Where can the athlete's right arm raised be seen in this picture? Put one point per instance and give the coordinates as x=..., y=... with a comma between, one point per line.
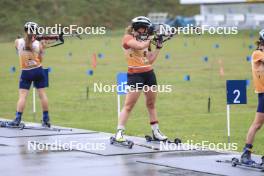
x=130, y=42
x=41, y=51
x=138, y=45
x=258, y=56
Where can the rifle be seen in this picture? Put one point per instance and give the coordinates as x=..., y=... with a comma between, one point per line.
x=58, y=38
x=161, y=32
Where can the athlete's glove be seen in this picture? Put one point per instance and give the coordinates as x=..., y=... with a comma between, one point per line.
x=158, y=41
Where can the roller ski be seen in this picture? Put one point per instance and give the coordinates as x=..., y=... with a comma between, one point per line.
x=120, y=140
x=252, y=164
x=12, y=124
x=46, y=126
x=42, y=128
x=158, y=137
x=245, y=161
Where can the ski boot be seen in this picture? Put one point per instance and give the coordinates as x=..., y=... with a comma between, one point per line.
x=246, y=157
x=157, y=136
x=119, y=139
x=16, y=123
x=46, y=124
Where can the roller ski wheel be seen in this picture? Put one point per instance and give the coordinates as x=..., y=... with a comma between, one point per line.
x=21, y=126
x=177, y=141
x=148, y=138
x=126, y=143
x=112, y=140
x=130, y=144
x=234, y=162
x=46, y=124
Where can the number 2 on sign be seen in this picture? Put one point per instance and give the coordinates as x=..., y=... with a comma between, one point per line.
x=237, y=93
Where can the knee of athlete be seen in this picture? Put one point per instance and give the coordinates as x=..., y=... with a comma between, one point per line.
x=151, y=105
x=258, y=126
x=22, y=99
x=42, y=96
x=129, y=107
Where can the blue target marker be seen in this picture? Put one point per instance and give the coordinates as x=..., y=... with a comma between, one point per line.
x=100, y=55
x=216, y=45
x=13, y=69
x=251, y=47
x=248, y=82
x=167, y=56
x=89, y=72
x=187, y=78
x=205, y=58
x=49, y=69
x=249, y=58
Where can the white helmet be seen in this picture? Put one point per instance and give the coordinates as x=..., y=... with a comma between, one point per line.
x=261, y=34
x=141, y=22
x=31, y=27
x=163, y=29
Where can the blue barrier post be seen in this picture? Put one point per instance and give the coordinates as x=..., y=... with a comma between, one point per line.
x=121, y=79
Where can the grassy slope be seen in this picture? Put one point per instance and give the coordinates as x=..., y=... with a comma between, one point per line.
x=182, y=113
x=112, y=14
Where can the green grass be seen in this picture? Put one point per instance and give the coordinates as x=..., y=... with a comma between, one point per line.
x=182, y=113
x=82, y=13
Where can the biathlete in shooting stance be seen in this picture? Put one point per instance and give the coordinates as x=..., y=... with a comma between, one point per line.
x=30, y=53
x=141, y=77
x=258, y=78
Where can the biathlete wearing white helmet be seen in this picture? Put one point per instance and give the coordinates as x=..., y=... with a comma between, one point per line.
x=136, y=45
x=30, y=53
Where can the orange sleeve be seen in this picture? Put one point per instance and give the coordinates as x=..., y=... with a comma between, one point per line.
x=126, y=38
x=258, y=56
